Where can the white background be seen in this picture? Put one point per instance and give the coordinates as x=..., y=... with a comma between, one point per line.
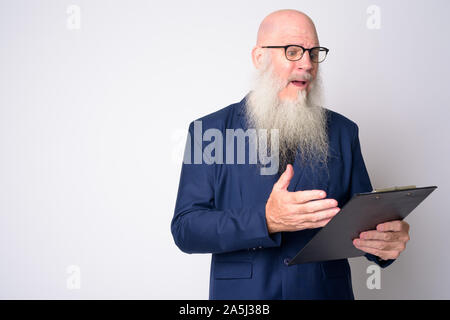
x=93, y=123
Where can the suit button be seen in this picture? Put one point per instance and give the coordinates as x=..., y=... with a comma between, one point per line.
x=286, y=261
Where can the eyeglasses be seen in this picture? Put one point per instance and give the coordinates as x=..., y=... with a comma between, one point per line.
x=295, y=52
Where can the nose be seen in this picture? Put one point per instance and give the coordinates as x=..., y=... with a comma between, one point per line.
x=305, y=62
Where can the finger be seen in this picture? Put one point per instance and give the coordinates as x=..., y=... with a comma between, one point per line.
x=405, y=226
x=377, y=244
x=307, y=195
x=318, y=205
x=396, y=225
x=285, y=178
x=319, y=215
x=314, y=225
x=377, y=235
x=385, y=255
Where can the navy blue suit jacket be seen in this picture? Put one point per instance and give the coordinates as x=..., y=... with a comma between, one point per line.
x=220, y=209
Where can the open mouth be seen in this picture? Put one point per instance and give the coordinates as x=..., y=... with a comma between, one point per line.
x=298, y=83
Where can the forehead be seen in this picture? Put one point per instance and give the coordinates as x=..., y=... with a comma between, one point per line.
x=304, y=35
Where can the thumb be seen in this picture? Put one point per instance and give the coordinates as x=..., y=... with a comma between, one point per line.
x=285, y=178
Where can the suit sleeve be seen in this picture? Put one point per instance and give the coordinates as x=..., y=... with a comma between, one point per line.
x=360, y=182
x=199, y=227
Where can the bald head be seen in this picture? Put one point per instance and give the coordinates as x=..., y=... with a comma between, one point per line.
x=285, y=25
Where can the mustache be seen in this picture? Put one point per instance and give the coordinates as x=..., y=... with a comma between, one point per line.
x=301, y=77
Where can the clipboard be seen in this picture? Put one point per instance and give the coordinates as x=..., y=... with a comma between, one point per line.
x=363, y=212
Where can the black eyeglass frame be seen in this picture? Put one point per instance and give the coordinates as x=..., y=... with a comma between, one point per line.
x=304, y=50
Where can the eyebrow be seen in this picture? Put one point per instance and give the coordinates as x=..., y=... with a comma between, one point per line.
x=301, y=44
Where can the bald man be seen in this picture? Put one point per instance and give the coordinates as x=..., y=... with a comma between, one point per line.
x=253, y=219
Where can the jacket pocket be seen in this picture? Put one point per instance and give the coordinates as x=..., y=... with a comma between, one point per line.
x=233, y=270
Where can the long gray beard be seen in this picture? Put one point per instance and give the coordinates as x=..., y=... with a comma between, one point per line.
x=302, y=123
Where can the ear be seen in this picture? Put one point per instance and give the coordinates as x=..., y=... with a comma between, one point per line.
x=257, y=54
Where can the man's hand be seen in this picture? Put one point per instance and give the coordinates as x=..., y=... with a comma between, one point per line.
x=386, y=242
x=293, y=211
